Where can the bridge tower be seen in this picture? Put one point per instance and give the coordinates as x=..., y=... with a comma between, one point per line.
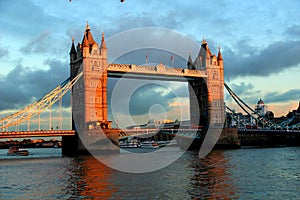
x=89, y=95
x=209, y=91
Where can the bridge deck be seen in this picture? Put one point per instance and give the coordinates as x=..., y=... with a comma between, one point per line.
x=43, y=133
x=153, y=72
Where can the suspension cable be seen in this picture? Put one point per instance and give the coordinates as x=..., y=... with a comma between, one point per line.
x=39, y=106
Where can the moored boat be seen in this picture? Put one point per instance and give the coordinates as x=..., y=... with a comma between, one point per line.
x=16, y=151
x=149, y=145
x=131, y=143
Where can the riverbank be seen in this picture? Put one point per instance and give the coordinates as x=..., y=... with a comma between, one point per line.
x=28, y=143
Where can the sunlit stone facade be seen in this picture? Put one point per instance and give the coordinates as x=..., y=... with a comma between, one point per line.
x=209, y=91
x=89, y=95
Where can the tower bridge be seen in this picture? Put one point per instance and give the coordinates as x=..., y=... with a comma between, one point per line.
x=89, y=71
x=89, y=96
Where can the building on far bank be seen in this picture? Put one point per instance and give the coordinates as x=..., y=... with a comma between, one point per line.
x=241, y=120
x=260, y=108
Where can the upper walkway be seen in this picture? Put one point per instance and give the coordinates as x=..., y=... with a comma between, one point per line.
x=160, y=72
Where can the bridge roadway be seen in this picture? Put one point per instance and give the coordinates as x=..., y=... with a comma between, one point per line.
x=42, y=133
x=122, y=134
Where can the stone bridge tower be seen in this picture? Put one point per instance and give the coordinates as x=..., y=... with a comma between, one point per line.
x=209, y=91
x=89, y=95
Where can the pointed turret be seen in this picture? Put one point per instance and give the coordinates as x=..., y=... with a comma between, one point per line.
x=103, y=49
x=88, y=39
x=298, y=109
x=204, y=56
x=73, y=49
x=103, y=44
x=73, y=52
x=206, y=48
x=85, y=42
x=190, y=64
x=220, y=57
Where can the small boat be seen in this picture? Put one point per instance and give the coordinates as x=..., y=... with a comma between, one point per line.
x=16, y=151
x=149, y=145
x=133, y=143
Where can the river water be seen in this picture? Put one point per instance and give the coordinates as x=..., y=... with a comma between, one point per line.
x=248, y=173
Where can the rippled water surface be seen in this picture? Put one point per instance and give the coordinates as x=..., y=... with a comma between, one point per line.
x=263, y=173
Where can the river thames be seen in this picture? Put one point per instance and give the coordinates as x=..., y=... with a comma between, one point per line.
x=248, y=173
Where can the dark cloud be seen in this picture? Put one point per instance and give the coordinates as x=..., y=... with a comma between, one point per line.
x=290, y=95
x=148, y=95
x=273, y=59
x=245, y=91
x=25, y=17
x=22, y=85
x=3, y=50
x=241, y=89
x=293, y=31
x=250, y=95
x=145, y=95
x=37, y=45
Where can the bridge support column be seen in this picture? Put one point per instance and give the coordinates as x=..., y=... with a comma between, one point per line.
x=209, y=91
x=104, y=141
x=89, y=95
x=207, y=107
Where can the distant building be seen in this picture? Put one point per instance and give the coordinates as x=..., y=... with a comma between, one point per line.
x=269, y=115
x=294, y=113
x=260, y=108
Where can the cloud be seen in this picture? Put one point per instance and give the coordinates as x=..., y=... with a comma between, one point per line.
x=137, y=97
x=37, y=45
x=290, y=95
x=273, y=59
x=243, y=88
x=245, y=91
x=23, y=85
x=293, y=31
x=149, y=95
x=26, y=16
x=3, y=51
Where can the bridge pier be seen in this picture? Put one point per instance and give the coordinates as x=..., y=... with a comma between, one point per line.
x=69, y=145
x=104, y=141
x=207, y=106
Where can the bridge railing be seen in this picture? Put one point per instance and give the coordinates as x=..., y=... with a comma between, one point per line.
x=158, y=69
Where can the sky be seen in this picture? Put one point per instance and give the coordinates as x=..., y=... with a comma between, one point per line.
x=260, y=44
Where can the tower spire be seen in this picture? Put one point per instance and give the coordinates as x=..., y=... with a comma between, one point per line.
x=87, y=27
x=219, y=54
x=103, y=44
x=190, y=62
x=73, y=50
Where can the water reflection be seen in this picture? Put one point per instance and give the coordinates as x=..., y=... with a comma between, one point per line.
x=211, y=178
x=206, y=178
x=89, y=178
